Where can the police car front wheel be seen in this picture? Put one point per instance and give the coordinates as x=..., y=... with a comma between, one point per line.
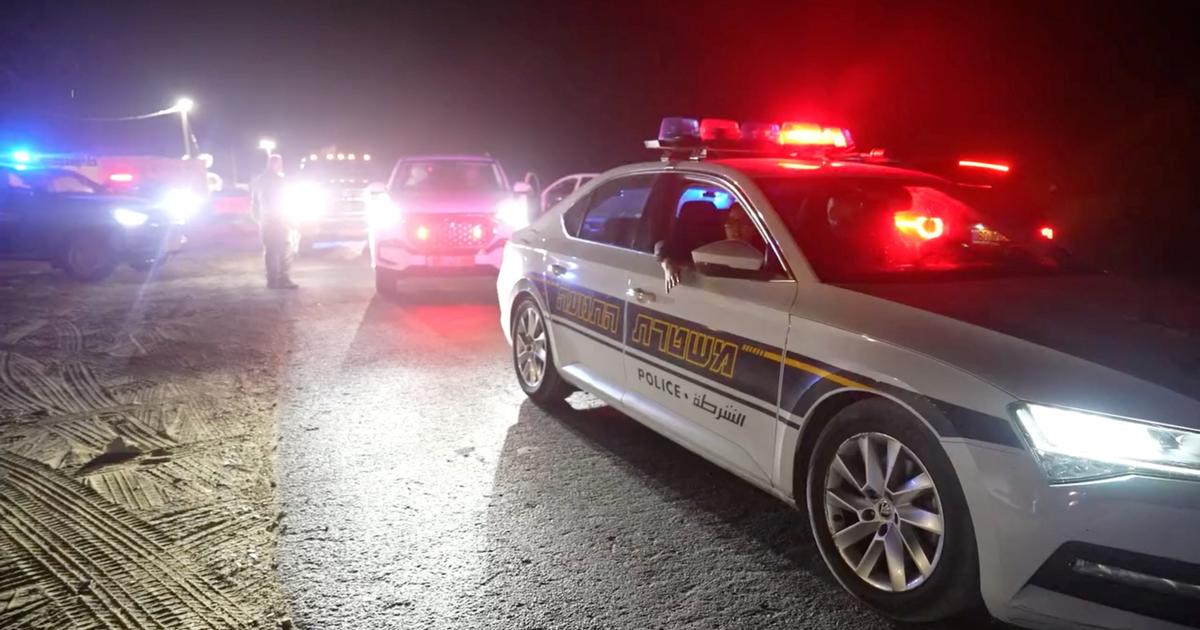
x=889, y=515
x=532, y=356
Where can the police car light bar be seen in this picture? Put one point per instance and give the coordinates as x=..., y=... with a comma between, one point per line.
x=717, y=129
x=814, y=135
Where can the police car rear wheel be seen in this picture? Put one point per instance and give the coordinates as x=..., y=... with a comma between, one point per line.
x=889, y=515
x=532, y=356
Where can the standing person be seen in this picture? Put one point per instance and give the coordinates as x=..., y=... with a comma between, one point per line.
x=278, y=236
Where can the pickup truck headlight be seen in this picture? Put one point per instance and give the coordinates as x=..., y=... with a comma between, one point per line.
x=1076, y=445
x=129, y=218
x=305, y=202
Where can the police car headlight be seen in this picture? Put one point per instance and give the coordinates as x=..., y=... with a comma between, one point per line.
x=181, y=204
x=305, y=202
x=1075, y=445
x=513, y=212
x=383, y=212
x=129, y=218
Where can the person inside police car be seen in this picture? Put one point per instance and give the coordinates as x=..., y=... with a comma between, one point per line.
x=675, y=253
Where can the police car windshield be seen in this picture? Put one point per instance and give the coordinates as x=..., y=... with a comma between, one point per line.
x=871, y=230
x=444, y=176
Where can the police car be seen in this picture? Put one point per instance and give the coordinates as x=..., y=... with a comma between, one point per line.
x=444, y=215
x=964, y=413
x=61, y=217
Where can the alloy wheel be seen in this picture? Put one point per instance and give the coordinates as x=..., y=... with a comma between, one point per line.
x=529, y=345
x=883, y=512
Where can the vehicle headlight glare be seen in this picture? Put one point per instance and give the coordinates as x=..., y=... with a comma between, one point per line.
x=383, y=212
x=1076, y=445
x=304, y=202
x=129, y=218
x=181, y=204
x=513, y=212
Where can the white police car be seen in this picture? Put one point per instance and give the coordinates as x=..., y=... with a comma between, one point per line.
x=966, y=415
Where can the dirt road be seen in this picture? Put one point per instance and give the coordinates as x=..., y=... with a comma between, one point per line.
x=136, y=434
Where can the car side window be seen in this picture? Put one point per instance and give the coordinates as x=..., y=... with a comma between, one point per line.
x=68, y=184
x=559, y=191
x=696, y=213
x=614, y=211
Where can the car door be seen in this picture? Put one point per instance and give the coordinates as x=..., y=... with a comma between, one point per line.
x=16, y=201
x=586, y=278
x=703, y=360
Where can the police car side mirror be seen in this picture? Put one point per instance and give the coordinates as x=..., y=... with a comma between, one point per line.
x=376, y=188
x=728, y=255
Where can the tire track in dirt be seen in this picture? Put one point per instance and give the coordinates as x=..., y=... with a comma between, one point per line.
x=82, y=539
x=70, y=338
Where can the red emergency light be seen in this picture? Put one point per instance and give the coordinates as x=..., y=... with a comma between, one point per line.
x=120, y=178
x=812, y=134
x=926, y=227
x=991, y=166
x=720, y=129
x=1047, y=232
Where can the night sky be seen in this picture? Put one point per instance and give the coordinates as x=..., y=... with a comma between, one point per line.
x=1100, y=99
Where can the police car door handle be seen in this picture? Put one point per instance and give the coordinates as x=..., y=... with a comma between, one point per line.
x=557, y=269
x=640, y=295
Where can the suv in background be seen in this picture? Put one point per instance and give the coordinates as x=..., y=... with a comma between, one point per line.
x=443, y=214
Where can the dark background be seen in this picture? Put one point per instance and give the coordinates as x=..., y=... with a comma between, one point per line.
x=1095, y=103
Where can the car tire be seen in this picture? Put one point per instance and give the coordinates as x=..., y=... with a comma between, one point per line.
x=385, y=283
x=877, y=531
x=90, y=256
x=531, y=351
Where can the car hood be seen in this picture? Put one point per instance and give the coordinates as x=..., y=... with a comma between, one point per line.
x=1091, y=342
x=450, y=203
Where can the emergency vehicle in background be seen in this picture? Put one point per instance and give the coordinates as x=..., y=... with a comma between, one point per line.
x=328, y=197
x=964, y=412
x=57, y=215
x=444, y=214
x=180, y=185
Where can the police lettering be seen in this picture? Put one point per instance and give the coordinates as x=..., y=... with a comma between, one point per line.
x=711, y=353
x=659, y=383
x=588, y=309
